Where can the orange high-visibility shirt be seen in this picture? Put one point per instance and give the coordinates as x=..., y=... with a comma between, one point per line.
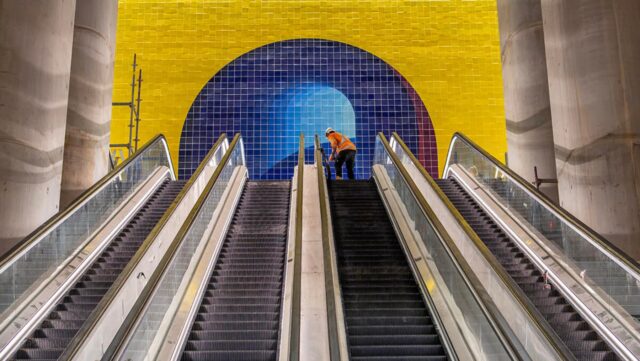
x=340, y=142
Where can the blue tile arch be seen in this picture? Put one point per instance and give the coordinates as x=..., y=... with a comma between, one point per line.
x=274, y=92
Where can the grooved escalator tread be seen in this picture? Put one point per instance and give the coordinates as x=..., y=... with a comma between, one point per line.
x=385, y=315
x=573, y=330
x=239, y=315
x=53, y=335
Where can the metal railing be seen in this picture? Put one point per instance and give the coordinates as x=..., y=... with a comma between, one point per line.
x=181, y=247
x=337, y=341
x=294, y=344
x=601, y=280
x=588, y=234
x=498, y=322
x=212, y=159
x=33, y=261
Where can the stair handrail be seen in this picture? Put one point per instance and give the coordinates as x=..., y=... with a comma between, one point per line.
x=97, y=313
x=50, y=224
x=337, y=344
x=493, y=313
x=613, y=251
x=294, y=341
x=323, y=156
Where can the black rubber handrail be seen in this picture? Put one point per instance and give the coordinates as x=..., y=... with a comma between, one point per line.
x=97, y=313
x=294, y=341
x=538, y=319
x=332, y=317
x=571, y=219
x=323, y=157
x=49, y=224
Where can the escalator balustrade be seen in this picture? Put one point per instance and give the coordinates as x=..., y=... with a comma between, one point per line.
x=578, y=335
x=50, y=339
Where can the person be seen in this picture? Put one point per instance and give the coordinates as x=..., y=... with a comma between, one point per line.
x=343, y=151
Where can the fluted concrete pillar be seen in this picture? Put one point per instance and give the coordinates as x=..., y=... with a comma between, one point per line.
x=526, y=91
x=35, y=58
x=593, y=61
x=86, y=147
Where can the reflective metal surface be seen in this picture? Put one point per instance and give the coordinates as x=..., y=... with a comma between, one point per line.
x=51, y=246
x=168, y=287
x=484, y=337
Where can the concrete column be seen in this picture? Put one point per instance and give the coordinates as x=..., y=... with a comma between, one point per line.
x=593, y=61
x=35, y=57
x=526, y=91
x=86, y=146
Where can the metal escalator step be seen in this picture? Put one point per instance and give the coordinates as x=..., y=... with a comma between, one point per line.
x=578, y=335
x=62, y=324
x=240, y=300
x=211, y=308
x=235, y=325
x=242, y=293
x=396, y=350
x=244, y=355
x=373, y=320
x=393, y=330
x=385, y=315
x=238, y=317
x=399, y=358
x=52, y=336
x=231, y=345
x=414, y=339
x=51, y=333
x=233, y=335
x=39, y=353
x=375, y=316
x=69, y=315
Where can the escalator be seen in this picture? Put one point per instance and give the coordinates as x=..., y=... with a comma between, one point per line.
x=577, y=334
x=50, y=339
x=239, y=315
x=386, y=317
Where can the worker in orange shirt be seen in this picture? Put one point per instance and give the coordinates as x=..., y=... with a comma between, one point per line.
x=343, y=151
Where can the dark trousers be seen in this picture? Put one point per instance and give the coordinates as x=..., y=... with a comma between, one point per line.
x=346, y=156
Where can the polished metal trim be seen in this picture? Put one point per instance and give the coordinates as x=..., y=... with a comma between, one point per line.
x=536, y=317
x=593, y=318
x=294, y=342
x=34, y=237
x=44, y=307
x=616, y=254
x=238, y=181
x=453, y=352
x=338, y=350
x=96, y=314
x=128, y=326
x=288, y=282
x=495, y=318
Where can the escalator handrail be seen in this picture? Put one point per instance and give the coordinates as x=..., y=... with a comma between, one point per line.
x=49, y=225
x=493, y=313
x=614, y=252
x=332, y=317
x=130, y=322
x=323, y=158
x=97, y=313
x=294, y=344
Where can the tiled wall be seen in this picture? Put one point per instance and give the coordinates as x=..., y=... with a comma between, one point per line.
x=274, y=93
x=446, y=51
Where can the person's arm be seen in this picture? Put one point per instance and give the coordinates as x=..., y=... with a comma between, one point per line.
x=334, y=148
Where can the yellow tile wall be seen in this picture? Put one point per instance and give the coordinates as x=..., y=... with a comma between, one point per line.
x=448, y=50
